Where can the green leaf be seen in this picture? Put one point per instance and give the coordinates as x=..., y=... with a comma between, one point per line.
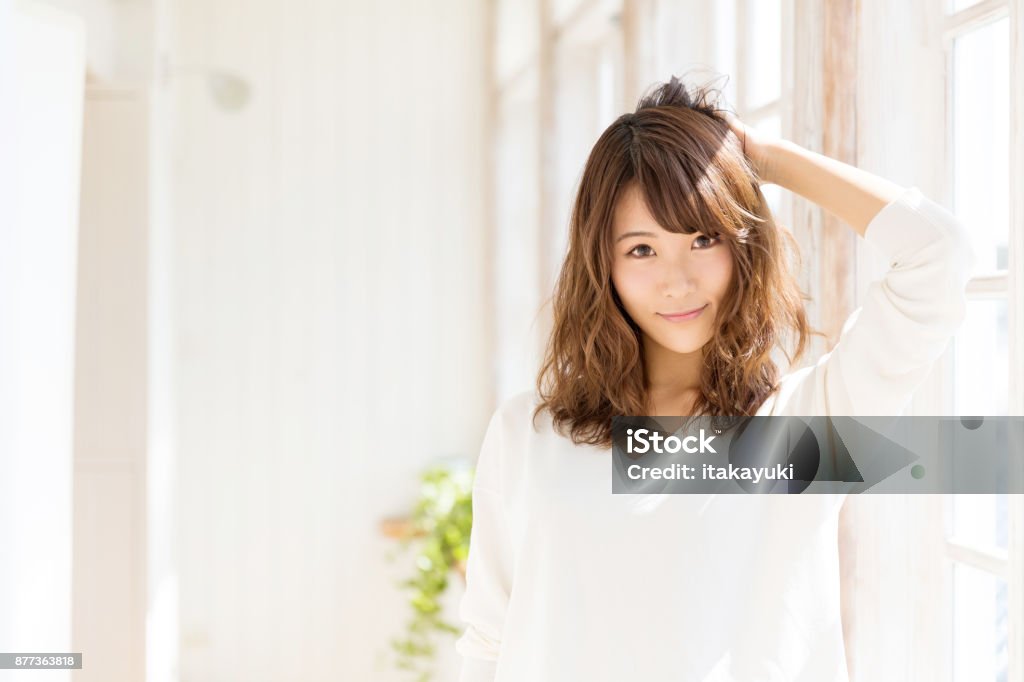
x=443, y=512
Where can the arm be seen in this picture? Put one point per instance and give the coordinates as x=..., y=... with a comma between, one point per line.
x=853, y=195
x=889, y=344
x=488, y=567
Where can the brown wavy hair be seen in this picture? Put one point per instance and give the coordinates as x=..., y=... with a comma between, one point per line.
x=692, y=171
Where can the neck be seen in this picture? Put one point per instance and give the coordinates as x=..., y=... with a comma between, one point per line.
x=672, y=374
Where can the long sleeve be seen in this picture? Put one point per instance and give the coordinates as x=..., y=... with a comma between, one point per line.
x=889, y=344
x=488, y=566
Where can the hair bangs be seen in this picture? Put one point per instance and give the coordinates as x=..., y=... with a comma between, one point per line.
x=687, y=195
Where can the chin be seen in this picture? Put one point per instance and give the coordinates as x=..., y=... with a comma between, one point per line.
x=683, y=345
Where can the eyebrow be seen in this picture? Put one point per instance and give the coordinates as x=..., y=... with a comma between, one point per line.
x=635, y=234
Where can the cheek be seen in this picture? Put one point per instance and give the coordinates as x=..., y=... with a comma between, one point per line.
x=625, y=280
x=635, y=286
x=718, y=273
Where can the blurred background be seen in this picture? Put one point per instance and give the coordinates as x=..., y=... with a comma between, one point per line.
x=265, y=263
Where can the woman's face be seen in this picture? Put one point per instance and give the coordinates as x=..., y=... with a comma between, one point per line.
x=659, y=273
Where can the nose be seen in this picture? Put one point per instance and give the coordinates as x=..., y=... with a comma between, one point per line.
x=678, y=277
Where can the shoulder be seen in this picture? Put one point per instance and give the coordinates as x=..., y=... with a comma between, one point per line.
x=520, y=422
x=508, y=443
x=522, y=400
x=515, y=409
x=797, y=392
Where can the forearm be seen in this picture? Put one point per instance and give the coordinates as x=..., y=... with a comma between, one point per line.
x=853, y=195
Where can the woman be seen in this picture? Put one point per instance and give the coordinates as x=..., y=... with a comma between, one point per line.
x=676, y=289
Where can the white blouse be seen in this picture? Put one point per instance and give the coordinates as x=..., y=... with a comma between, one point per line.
x=566, y=581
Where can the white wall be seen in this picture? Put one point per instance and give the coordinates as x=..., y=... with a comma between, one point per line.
x=325, y=266
x=42, y=71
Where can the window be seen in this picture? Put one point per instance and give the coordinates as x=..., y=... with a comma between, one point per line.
x=516, y=192
x=759, y=82
x=978, y=161
x=587, y=98
x=980, y=552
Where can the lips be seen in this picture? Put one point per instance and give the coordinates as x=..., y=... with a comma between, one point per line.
x=685, y=315
x=684, y=312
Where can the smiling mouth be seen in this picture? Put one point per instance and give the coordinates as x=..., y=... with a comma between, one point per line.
x=688, y=315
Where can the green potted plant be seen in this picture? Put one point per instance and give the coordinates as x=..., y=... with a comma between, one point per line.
x=440, y=526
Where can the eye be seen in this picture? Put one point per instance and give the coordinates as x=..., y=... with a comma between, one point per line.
x=708, y=241
x=638, y=246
